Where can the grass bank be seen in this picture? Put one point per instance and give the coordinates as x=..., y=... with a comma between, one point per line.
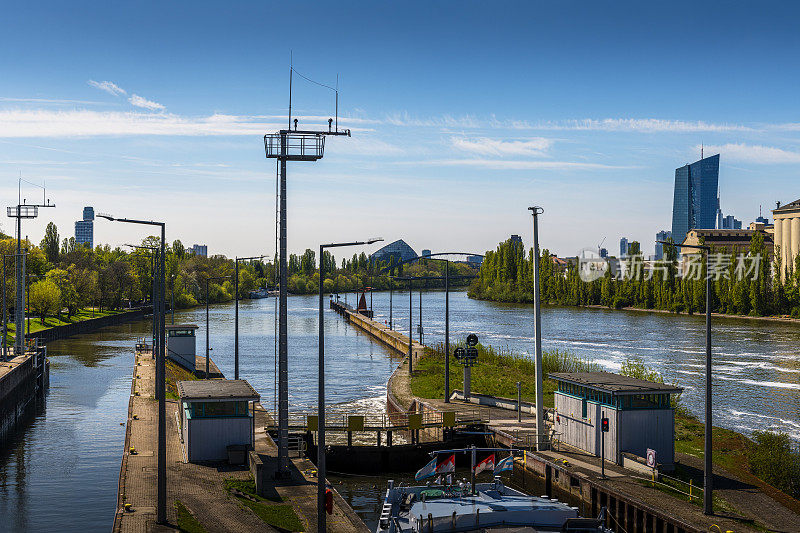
x=271, y=511
x=62, y=320
x=496, y=373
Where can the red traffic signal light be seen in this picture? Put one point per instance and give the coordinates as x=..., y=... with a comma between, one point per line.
x=329, y=501
x=604, y=424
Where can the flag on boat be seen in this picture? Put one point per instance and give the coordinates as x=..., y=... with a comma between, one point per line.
x=486, y=464
x=448, y=465
x=505, y=465
x=429, y=470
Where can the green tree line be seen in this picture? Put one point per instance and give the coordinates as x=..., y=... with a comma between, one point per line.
x=359, y=272
x=507, y=275
x=64, y=277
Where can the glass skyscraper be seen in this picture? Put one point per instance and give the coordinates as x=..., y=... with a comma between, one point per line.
x=696, y=199
x=84, y=229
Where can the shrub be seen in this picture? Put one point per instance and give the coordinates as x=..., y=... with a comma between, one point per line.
x=774, y=460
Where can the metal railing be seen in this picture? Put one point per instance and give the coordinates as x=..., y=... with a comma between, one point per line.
x=23, y=211
x=299, y=146
x=690, y=489
x=372, y=421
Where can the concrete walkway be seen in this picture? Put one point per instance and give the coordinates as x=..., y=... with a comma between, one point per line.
x=200, y=487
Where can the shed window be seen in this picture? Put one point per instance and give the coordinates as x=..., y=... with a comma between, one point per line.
x=583, y=408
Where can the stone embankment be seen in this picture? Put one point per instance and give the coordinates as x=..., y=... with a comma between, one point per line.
x=87, y=326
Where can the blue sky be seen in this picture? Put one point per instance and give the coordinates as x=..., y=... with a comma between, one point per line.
x=463, y=114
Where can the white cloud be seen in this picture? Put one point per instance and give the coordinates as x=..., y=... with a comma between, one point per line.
x=107, y=86
x=88, y=123
x=753, y=153
x=647, y=125
x=500, y=164
x=144, y=103
x=536, y=146
x=444, y=121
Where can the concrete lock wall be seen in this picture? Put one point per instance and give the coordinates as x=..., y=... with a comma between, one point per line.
x=18, y=390
x=208, y=438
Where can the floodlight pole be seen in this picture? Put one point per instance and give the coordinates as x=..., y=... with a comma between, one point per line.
x=161, y=483
x=537, y=314
x=321, y=468
x=283, y=152
x=708, y=469
x=236, y=320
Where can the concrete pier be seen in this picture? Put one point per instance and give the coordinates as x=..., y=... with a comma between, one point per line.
x=201, y=487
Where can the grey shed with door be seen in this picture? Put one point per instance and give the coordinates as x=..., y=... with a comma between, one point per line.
x=181, y=344
x=216, y=414
x=639, y=412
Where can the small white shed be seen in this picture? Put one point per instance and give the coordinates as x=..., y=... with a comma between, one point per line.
x=216, y=414
x=639, y=413
x=181, y=344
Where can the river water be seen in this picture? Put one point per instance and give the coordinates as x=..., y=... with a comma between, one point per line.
x=60, y=471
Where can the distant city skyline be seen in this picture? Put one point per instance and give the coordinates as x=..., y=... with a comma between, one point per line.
x=467, y=125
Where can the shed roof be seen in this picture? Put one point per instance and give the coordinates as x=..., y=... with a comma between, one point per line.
x=181, y=326
x=217, y=389
x=614, y=383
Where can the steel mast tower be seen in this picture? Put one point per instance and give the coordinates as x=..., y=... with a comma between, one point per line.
x=20, y=211
x=291, y=145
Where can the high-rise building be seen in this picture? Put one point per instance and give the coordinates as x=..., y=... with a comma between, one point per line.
x=661, y=236
x=200, y=249
x=731, y=222
x=623, y=247
x=516, y=238
x=696, y=199
x=84, y=229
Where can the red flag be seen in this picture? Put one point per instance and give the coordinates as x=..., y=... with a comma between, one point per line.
x=486, y=464
x=448, y=465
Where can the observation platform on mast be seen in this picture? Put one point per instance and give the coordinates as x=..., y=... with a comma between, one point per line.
x=300, y=145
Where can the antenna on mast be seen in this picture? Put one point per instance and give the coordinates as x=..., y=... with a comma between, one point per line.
x=701, y=150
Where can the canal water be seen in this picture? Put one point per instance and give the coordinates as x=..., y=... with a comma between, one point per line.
x=61, y=471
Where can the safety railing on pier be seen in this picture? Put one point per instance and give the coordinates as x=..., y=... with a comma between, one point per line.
x=354, y=421
x=530, y=440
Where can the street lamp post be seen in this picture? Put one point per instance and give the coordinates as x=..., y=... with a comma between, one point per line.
x=236, y=319
x=207, y=323
x=161, y=488
x=537, y=319
x=321, y=471
x=708, y=470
